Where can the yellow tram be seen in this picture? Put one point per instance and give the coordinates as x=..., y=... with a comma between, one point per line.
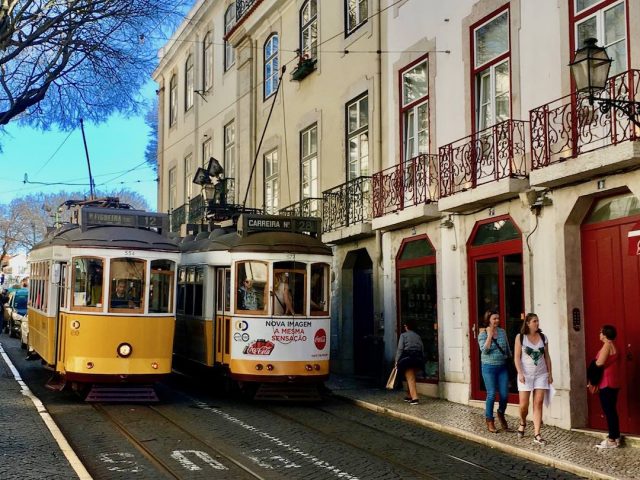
x=101, y=300
x=253, y=301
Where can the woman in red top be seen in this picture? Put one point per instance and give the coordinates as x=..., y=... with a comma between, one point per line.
x=609, y=386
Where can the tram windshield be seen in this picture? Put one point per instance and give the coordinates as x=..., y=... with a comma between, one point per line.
x=319, y=289
x=253, y=286
x=87, y=282
x=288, y=288
x=161, y=287
x=127, y=284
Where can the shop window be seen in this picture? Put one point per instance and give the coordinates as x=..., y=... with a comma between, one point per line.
x=417, y=294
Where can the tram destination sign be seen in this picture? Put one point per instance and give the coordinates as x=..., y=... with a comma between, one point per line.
x=249, y=223
x=92, y=217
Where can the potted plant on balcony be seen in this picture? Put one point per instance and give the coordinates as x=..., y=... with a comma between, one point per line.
x=305, y=66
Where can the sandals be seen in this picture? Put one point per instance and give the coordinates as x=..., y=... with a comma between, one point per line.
x=521, y=429
x=539, y=440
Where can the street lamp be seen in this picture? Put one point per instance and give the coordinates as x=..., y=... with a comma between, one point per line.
x=590, y=69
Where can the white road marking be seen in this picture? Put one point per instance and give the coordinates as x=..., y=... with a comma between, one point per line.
x=68, y=452
x=120, y=462
x=295, y=450
x=267, y=458
x=181, y=458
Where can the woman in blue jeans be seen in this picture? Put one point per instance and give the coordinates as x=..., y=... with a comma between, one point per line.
x=494, y=355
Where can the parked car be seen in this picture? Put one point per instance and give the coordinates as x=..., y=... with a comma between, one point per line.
x=14, y=310
x=24, y=332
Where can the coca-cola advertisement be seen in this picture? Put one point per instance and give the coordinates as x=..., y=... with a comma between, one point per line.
x=259, y=347
x=320, y=339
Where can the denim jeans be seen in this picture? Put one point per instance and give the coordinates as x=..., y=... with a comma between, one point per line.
x=496, y=377
x=608, y=400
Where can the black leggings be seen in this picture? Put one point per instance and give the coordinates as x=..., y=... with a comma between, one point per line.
x=608, y=400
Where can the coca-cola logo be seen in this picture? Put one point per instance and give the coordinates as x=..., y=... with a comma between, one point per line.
x=320, y=339
x=259, y=347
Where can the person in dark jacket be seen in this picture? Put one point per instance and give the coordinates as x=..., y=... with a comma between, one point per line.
x=4, y=298
x=410, y=359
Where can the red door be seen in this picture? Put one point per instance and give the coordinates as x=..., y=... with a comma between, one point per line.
x=611, y=284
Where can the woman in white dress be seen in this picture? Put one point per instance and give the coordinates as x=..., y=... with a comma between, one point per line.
x=534, y=373
x=282, y=302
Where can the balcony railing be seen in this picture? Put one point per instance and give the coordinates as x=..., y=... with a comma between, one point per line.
x=347, y=204
x=178, y=217
x=486, y=156
x=413, y=182
x=196, y=209
x=570, y=125
x=308, y=207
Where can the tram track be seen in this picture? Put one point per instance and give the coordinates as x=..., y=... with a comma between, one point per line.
x=172, y=469
x=421, y=473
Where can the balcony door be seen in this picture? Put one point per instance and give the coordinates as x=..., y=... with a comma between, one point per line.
x=495, y=283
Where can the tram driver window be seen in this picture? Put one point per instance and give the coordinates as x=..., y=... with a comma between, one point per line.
x=252, y=285
x=87, y=282
x=288, y=294
x=127, y=284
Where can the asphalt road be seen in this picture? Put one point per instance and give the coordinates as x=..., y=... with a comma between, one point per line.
x=197, y=432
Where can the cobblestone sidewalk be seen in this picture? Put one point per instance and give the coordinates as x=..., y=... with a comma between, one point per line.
x=567, y=450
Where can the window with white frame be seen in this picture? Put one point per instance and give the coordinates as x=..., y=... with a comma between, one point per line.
x=188, y=83
x=607, y=24
x=491, y=71
x=271, y=182
x=309, y=29
x=173, y=99
x=415, y=109
x=230, y=160
x=189, y=170
x=206, y=152
x=309, y=166
x=173, y=190
x=229, y=22
x=358, y=138
x=207, y=61
x=356, y=12
x=271, y=65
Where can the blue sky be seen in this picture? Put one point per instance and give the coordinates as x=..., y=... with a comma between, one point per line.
x=115, y=147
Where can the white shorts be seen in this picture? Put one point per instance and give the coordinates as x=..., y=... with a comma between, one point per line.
x=538, y=381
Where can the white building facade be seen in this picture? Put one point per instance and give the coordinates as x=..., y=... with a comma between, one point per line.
x=453, y=165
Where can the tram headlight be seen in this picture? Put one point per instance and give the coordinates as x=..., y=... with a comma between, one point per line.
x=124, y=350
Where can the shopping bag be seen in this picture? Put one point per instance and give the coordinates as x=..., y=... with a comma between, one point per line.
x=391, y=383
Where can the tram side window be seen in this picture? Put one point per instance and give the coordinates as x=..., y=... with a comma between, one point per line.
x=289, y=288
x=161, y=287
x=127, y=284
x=87, y=282
x=319, y=289
x=190, y=291
x=252, y=286
x=38, y=280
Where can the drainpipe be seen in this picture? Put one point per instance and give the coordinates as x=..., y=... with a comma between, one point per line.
x=380, y=256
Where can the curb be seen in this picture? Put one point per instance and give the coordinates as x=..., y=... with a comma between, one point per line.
x=519, y=452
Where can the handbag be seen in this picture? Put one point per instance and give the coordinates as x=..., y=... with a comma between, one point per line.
x=391, y=383
x=594, y=373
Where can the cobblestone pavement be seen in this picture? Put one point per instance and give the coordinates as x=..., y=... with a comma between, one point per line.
x=568, y=450
x=27, y=448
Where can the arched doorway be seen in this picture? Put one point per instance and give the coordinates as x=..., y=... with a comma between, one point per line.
x=359, y=267
x=495, y=283
x=611, y=292
x=417, y=292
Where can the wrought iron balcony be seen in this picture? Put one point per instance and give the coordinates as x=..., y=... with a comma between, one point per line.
x=196, y=209
x=178, y=217
x=308, y=207
x=571, y=125
x=347, y=204
x=487, y=156
x=412, y=182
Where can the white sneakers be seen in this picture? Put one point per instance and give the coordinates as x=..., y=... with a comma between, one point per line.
x=606, y=443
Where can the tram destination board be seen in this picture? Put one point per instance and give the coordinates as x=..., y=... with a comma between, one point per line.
x=278, y=223
x=91, y=217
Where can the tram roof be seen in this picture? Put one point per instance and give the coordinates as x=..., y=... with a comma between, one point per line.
x=267, y=242
x=109, y=236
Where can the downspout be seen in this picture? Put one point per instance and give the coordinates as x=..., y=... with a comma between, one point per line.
x=380, y=256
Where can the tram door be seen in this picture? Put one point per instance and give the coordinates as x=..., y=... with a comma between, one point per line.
x=59, y=301
x=222, y=330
